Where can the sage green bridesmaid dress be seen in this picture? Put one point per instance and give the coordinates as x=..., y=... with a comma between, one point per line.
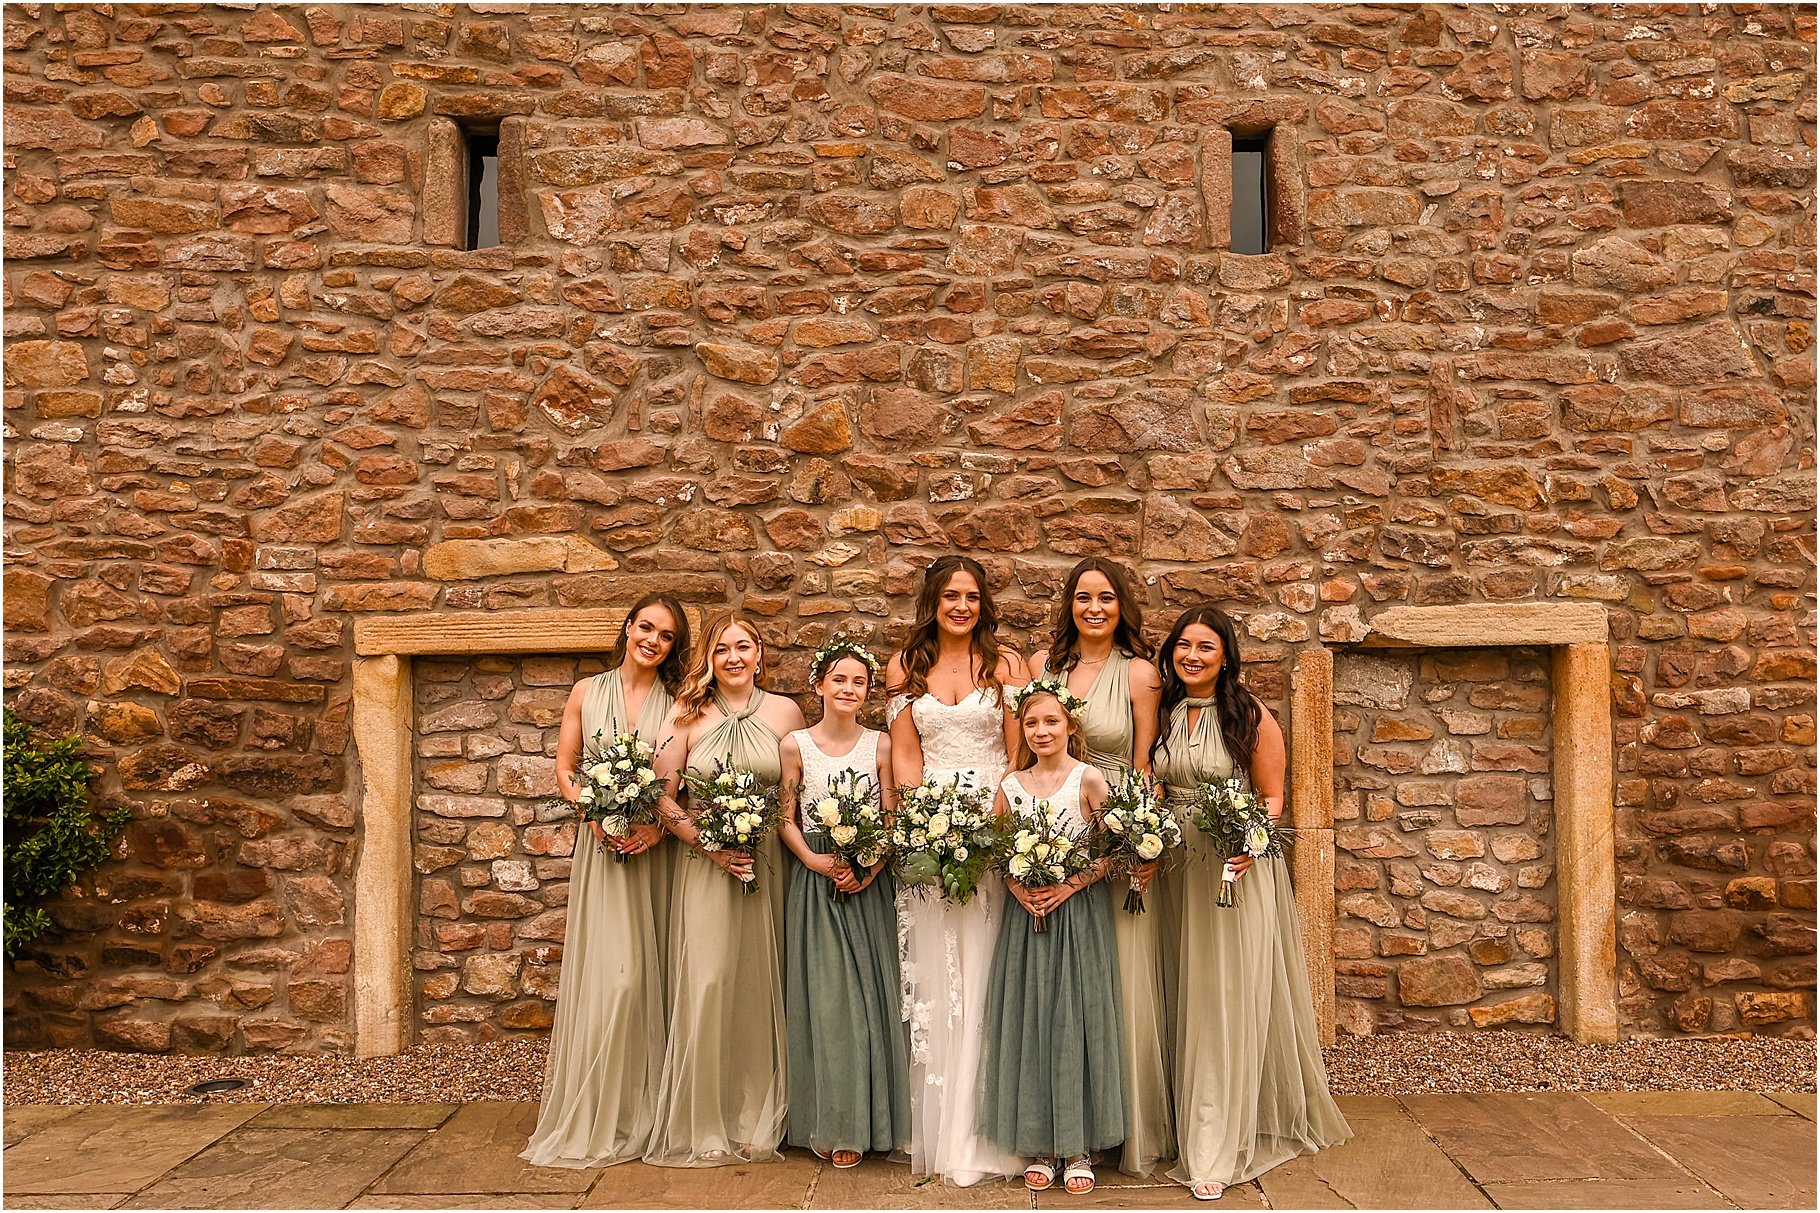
x=1110, y=733
x=721, y=1096
x=849, y=1050
x=607, y=1043
x=1250, y=1086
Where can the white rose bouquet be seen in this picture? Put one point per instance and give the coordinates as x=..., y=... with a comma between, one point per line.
x=944, y=837
x=1234, y=816
x=734, y=812
x=1043, y=850
x=619, y=785
x=1135, y=828
x=853, y=814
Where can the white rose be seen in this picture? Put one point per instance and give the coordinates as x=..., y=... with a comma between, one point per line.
x=938, y=825
x=828, y=810
x=1020, y=867
x=601, y=775
x=960, y=852
x=646, y=776
x=1114, y=823
x=1025, y=840
x=1056, y=870
x=585, y=796
x=1257, y=840
x=843, y=835
x=1041, y=850
x=1150, y=846
x=624, y=764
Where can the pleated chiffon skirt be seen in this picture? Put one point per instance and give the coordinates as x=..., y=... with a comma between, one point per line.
x=848, y=1059
x=1250, y=1085
x=721, y=1093
x=607, y=1041
x=1143, y=1007
x=1053, y=1075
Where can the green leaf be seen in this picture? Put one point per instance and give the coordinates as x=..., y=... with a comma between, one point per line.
x=52, y=837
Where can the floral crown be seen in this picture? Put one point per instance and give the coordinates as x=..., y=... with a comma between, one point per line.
x=838, y=648
x=1048, y=684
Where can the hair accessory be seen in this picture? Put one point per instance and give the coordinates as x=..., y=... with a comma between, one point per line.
x=1048, y=684
x=839, y=647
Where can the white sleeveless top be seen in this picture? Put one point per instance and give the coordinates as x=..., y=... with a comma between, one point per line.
x=1066, y=799
x=817, y=767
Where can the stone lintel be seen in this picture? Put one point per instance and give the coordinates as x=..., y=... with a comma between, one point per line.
x=457, y=633
x=382, y=873
x=1489, y=624
x=1585, y=854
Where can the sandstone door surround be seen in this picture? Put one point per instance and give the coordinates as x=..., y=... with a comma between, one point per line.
x=384, y=735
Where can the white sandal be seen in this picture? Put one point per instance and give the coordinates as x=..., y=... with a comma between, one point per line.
x=1208, y=1191
x=1045, y=1173
x=1078, y=1168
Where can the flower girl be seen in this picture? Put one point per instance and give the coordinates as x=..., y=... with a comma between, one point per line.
x=848, y=1071
x=1053, y=1078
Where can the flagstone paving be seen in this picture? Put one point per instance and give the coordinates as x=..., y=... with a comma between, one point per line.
x=1536, y=1150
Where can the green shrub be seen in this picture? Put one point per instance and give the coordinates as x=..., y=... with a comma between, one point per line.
x=52, y=837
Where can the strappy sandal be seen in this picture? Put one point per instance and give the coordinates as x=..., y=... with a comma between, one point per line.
x=1039, y=1176
x=845, y=1159
x=1208, y=1191
x=1079, y=1168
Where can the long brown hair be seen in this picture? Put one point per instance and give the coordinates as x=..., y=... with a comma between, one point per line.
x=698, y=684
x=675, y=665
x=1239, y=711
x=920, y=647
x=1127, y=634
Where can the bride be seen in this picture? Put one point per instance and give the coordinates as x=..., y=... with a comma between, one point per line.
x=951, y=675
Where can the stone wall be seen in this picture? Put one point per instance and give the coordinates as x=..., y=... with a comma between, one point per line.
x=491, y=851
x=1444, y=898
x=795, y=298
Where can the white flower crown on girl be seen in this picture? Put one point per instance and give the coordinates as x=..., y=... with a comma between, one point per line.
x=1048, y=684
x=839, y=647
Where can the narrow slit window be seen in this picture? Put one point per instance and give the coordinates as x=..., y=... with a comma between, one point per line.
x=483, y=190
x=1250, y=193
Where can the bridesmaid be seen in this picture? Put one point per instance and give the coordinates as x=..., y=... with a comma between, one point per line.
x=849, y=1073
x=1251, y=1090
x=721, y=1096
x=1100, y=652
x=1053, y=1080
x=607, y=1045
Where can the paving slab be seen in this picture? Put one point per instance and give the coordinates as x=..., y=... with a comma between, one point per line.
x=1165, y=1196
x=1686, y=1193
x=1685, y=1103
x=23, y=1120
x=1512, y=1137
x=877, y=1184
x=91, y=1200
x=280, y=1169
x=117, y=1149
x=1357, y=1107
x=463, y=1200
x=476, y=1150
x=354, y=1116
x=1799, y=1102
x=1389, y=1163
x=783, y=1184
x=1756, y=1162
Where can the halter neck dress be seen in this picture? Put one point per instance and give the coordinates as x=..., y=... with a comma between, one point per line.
x=1250, y=1086
x=607, y=1042
x=1110, y=731
x=1053, y=1074
x=721, y=1096
x=848, y=1067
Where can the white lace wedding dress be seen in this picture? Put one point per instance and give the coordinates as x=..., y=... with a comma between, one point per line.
x=946, y=953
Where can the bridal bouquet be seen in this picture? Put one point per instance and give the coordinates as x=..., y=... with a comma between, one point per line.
x=1235, y=818
x=734, y=812
x=944, y=837
x=1044, y=851
x=619, y=785
x=1136, y=828
x=853, y=814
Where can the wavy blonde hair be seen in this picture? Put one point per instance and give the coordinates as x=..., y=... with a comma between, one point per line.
x=698, y=682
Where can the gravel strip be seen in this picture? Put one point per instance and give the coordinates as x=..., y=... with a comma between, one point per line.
x=1397, y=1064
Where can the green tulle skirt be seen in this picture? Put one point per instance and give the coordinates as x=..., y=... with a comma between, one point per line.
x=1053, y=1076
x=849, y=1074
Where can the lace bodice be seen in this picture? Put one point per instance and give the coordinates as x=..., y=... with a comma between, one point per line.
x=817, y=767
x=1066, y=799
x=966, y=736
